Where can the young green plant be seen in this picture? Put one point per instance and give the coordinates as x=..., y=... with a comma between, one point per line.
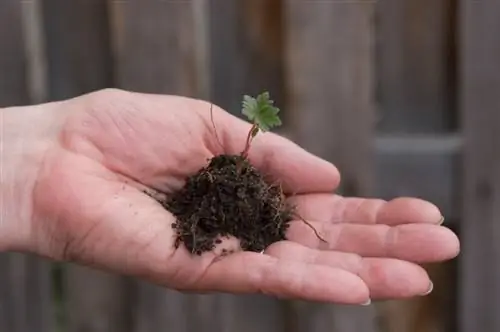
x=264, y=116
x=262, y=113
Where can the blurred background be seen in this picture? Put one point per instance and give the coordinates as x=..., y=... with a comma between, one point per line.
x=402, y=95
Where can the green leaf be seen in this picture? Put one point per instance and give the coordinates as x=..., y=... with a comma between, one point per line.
x=261, y=111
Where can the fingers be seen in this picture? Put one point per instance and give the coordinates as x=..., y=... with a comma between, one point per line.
x=335, y=208
x=279, y=158
x=413, y=242
x=247, y=272
x=385, y=278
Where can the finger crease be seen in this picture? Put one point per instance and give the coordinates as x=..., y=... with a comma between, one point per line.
x=390, y=240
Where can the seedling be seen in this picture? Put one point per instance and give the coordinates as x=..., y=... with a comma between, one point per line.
x=262, y=113
x=230, y=197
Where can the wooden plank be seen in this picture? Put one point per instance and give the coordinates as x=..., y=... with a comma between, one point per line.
x=425, y=166
x=25, y=289
x=163, y=33
x=13, y=81
x=246, y=53
x=430, y=313
x=479, y=103
x=97, y=301
x=416, y=89
x=246, y=57
x=77, y=46
x=36, y=60
x=330, y=79
x=153, y=45
x=415, y=65
x=158, y=309
x=79, y=61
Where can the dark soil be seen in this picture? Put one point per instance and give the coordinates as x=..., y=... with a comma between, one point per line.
x=229, y=197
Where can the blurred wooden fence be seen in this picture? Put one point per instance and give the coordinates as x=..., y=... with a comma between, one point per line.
x=402, y=95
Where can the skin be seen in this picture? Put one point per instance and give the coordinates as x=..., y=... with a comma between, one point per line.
x=72, y=190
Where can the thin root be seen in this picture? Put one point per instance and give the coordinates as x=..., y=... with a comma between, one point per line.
x=311, y=226
x=213, y=124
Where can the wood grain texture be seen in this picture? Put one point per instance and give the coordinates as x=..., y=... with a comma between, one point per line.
x=424, y=166
x=76, y=34
x=329, y=71
x=153, y=44
x=434, y=312
x=97, y=301
x=25, y=294
x=246, y=57
x=415, y=65
x=154, y=51
x=330, y=79
x=25, y=288
x=246, y=52
x=13, y=65
x=78, y=47
x=480, y=229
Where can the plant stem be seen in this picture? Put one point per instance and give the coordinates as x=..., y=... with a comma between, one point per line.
x=244, y=154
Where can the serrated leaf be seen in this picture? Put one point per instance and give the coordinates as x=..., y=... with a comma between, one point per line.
x=261, y=111
x=250, y=106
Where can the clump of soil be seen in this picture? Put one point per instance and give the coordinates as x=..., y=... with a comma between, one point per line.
x=229, y=197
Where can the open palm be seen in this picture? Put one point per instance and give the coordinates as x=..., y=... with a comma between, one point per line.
x=90, y=207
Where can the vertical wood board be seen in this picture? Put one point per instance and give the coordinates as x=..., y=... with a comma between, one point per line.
x=154, y=51
x=246, y=57
x=13, y=78
x=480, y=228
x=153, y=44
x=415, y=58
x=330, y=74
x=78, y=47
x=246, y=52
x=25, y=289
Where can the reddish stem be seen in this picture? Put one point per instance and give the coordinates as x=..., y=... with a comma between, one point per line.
x=244, y=154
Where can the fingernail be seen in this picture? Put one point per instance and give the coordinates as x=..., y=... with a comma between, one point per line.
x=441, y=221
x=367, y=303
x=431, y=288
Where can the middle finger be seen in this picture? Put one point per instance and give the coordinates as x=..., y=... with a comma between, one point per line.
x=356, y=210
x=414, y=242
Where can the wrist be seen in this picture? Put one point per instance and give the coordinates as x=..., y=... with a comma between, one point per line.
x=25, y=135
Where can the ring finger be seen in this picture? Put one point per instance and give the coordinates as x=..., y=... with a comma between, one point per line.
x=385, y=277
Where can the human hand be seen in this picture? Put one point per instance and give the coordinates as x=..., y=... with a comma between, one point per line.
x=102, y=150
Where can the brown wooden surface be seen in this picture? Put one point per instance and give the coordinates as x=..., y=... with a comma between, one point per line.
x=78, y=55
x=480, y=229
x=161, y=34
x=246, y=57
x=433, y=313
x=97, y=301
x=329, y=71
x=323, y=84
x=153, y=46
x=25, y=294
x=424, y=166
x=13, y=69
x=246, y=51
x=77, y=47
x=25, y=288
x=415, y=65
